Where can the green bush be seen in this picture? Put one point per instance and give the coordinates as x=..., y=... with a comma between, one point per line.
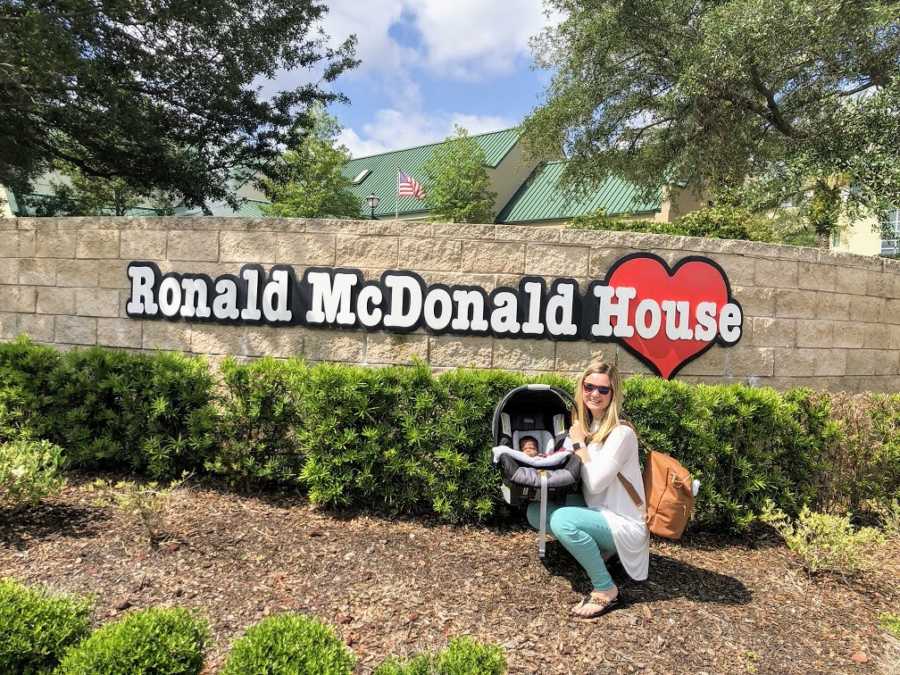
x=463, y=656
x=36, y=628
x=287, y=644
x=153, y=641
x=29, y=471
x=26, y=395
x=260, y=413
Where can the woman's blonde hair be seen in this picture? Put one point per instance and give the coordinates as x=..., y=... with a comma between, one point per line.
x=610, y=419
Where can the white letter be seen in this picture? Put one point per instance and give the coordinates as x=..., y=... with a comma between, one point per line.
x=251, y=311
x=435, y=297
x=730, y=323
x=706, y=322
x=369, y=294
x=275, y=296
x=141, y=301
x=170, y=296
x=607, y=308
x=644, y=329
x=532, y=325
x=330, y=303
x=401, y=284
x=465, y=300
x=225, y=304
x=504, y=317
x=681, y=308
x=561, y=305
x=196, y=302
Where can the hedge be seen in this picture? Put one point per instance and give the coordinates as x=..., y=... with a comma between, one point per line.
x=403, y=441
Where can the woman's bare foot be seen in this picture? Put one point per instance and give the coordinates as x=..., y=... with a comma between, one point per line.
x=597, y=603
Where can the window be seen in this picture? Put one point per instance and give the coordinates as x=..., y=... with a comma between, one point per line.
x=890, y=233
x=361, y=176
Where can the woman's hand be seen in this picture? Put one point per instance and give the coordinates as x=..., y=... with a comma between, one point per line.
x=576, y=433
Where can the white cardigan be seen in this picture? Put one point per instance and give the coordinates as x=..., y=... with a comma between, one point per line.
x=604, y=492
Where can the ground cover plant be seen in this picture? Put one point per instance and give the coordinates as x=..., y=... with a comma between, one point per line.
x=29, y=471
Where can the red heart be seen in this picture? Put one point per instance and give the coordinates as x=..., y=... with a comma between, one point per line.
x=694, y=280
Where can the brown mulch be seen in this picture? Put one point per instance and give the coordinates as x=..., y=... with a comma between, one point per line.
x=711, y=605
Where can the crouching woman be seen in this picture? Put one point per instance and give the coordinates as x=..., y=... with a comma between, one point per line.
x=604, y=520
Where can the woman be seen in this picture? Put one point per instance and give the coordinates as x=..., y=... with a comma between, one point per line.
x=603, y=521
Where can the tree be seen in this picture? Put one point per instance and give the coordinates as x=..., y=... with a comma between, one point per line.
x=757, y=101
x=311, y=184
x=162, y=95
x=457, y=187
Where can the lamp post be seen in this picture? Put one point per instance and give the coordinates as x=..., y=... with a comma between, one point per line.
x=372, y=200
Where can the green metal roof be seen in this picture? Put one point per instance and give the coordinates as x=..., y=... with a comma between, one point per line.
x=383, y=177
x=541, y=197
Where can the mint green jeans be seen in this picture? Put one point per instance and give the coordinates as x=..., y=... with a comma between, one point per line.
x=583, y=532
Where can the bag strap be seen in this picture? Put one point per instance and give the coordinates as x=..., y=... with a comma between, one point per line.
x=629, y=488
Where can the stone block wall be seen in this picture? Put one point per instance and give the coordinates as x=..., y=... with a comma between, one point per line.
x=812, y=318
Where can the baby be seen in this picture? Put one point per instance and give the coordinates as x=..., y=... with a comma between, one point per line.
x=529, y=445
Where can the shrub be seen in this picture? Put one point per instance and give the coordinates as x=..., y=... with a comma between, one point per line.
x=463, y=656
x=825, y=542
x=37, y=628
x=260, y=411
x=146, y=503
x=25, y=392
x=153, y=641
x=287, y=644
x=29, y=471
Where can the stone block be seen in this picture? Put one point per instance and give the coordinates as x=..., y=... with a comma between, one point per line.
x=850, y=280
x=97, y=244
x=115, y=274
x=815, y=333
x=17, y=245
x=37, y=326
x=892, y=311
x=831, y=362
x=277, y=342
x=557, y=260
x=199, y=246
x=868, y=310
x=55, y=300
x=18, y=298
x=817, y=277
x=872, y=362
x=298, y=248
x=367, y=251
x=849, y=334
x=795, y=362
x=461, y=231
x=895, y=338
x=833, y=306
x=496, y=257
x=770, y=332
x=458, y=351
x=524, y=354
x=576, y=355
x=749, y=361
x=430, y=254
x=9, y=271
x=755, y=301
x=528, y=233
x=9, y=325
x=876, y=336
x=710, y=362
x=97, y=302
x=247, y=247
x=37, y=272
x=776, y=273
x=143, y=245
x=879, y=284
x=78, y=273
x=210, y=338
x=394, y=348
x=740, y=270
x=166, y=335
x=331, y=345
x=629, y=364
x=601, y=259
x=55, y=244
x=793, y=303
x=76, y=330
x=119, y=333
x=485, y=281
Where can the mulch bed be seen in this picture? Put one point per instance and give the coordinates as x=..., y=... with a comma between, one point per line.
x=711, y=605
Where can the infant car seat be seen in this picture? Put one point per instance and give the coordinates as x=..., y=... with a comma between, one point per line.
x=545, y=413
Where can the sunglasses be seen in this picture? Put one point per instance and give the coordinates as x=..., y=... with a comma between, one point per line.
x=599, y=388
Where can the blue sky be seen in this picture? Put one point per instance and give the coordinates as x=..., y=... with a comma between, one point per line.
x=430, y=64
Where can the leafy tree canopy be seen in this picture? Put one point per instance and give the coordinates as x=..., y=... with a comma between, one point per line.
x=162, y=95
x=457, y=183
x=310, y=183
x=756, y=100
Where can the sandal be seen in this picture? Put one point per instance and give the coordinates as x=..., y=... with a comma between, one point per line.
x=602, y=607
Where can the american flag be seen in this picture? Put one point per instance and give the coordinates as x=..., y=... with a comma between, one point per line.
x=407, y=186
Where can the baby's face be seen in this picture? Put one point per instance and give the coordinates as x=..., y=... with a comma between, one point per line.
x=528, y=446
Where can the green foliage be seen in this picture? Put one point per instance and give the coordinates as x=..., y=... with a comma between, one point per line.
x=891, y=623
x=29, y=471
x=825, y=543
x=26, y=395
x=259, y=417
x=156, y=641
x=287, y=644
x=732, y=96
x=310, y=183
x=147, y=503
x=463, y=656
x=37, y=628
x=457, y=187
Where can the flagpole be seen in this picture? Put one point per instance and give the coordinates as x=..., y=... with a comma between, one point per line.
x=397, y=196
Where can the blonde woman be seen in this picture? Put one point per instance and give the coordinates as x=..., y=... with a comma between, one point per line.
x=603, y=521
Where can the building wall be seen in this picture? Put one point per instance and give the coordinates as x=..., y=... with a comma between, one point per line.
x=679, y=201
x=862, y=237
x=509, y=174
x=812, y=318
